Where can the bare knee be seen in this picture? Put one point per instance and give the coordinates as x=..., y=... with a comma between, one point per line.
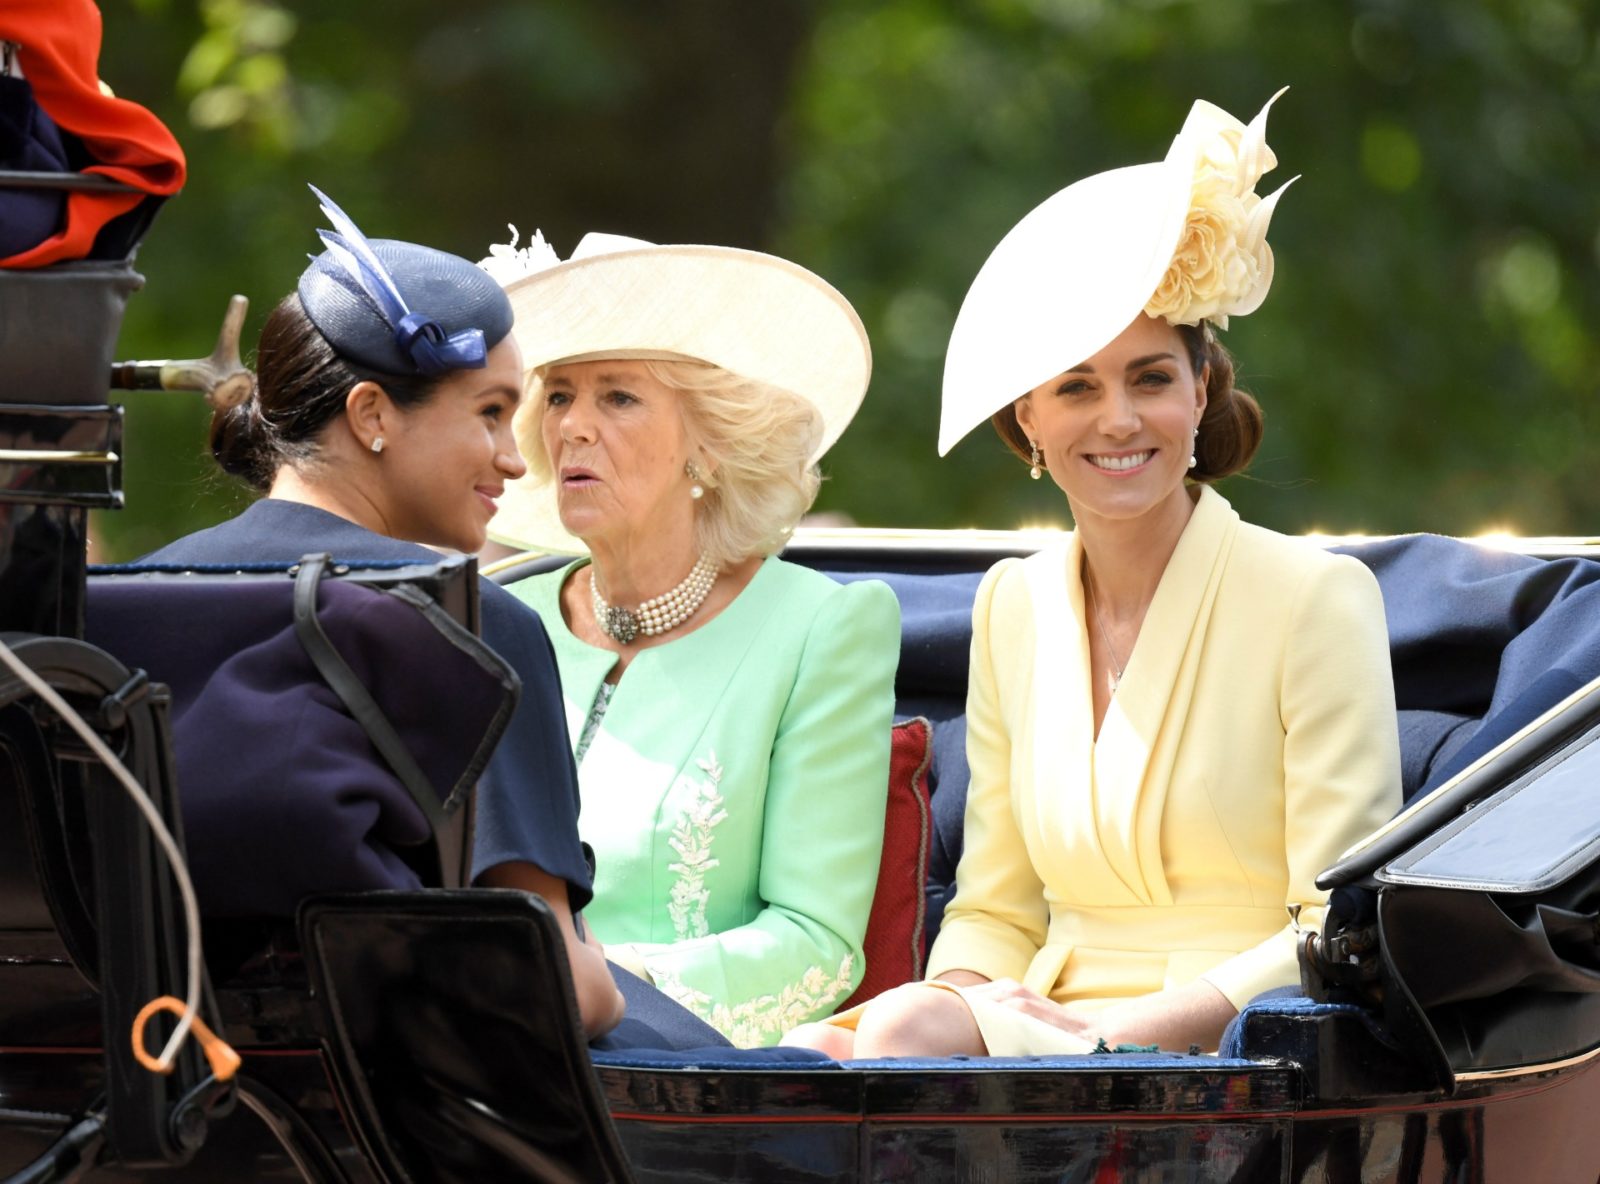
x=917, y=1021
x=836, y=1042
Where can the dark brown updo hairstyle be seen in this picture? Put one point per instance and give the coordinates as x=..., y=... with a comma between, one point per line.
x=1230, y=427
x=301, y=387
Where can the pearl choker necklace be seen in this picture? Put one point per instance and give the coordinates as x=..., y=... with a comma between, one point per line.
x=658, y=615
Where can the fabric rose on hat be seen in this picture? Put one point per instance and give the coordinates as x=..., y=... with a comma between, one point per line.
x=1223, y=265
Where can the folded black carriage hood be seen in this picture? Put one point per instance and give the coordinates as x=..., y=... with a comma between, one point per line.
x=1488, y=902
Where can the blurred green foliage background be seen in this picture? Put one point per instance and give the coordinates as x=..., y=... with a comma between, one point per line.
x=1427, y=359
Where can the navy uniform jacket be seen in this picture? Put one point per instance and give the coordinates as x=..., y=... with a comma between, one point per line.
x=527, y=804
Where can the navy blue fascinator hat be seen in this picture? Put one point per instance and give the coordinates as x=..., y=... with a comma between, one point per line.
x=400, y=308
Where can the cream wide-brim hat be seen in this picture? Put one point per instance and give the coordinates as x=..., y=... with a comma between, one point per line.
x=1075, y=272
x=1062, y=284
x=755, y=315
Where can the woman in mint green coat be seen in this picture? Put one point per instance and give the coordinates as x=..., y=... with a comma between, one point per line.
x=730, y=712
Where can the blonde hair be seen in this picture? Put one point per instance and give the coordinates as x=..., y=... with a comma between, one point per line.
x=754, y=443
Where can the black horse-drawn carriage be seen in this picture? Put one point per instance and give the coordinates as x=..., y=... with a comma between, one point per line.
x=1447, y=1026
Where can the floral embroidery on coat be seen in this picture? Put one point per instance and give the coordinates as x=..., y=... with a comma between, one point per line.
x=762, y=1020
x=691, y=839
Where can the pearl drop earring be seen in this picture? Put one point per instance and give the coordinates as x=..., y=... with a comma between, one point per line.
x=692, y=470
x=1033, y=460
x=1194, y=460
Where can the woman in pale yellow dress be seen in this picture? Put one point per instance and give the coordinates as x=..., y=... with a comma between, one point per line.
x=1175, y=719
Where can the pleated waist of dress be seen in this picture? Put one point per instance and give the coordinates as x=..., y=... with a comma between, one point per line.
x=1130, y=950
x=1165, y=928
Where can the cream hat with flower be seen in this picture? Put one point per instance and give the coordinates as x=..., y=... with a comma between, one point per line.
x=755, y=315
x=1184, y=239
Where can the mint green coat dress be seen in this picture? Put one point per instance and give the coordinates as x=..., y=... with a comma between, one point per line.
x=734, y=795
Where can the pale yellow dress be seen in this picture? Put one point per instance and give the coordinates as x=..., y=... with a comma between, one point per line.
x=1251, y=740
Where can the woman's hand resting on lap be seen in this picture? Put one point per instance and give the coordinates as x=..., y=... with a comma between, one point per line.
x=1173, y=1019
x=1008, y=991
x=1195, y=1013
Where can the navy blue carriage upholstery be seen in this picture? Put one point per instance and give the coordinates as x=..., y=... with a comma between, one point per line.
x=1483, y=642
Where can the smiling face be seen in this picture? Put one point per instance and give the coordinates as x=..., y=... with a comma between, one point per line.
x=617, y=446
x=446, y=460
x=1117, y=430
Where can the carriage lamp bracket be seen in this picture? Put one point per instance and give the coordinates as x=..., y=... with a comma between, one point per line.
x=221, y=376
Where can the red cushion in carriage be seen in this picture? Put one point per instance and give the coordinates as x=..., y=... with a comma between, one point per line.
x=893, y=945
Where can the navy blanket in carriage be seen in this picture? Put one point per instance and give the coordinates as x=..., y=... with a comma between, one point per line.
x=1483, y=643
x=284, y=793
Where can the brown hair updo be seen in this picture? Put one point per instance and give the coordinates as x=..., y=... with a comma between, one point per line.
x=1232, y=424
x=301, y=386
x=1230, y=428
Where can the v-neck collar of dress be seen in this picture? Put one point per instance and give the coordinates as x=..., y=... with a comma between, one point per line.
x=1121, y=796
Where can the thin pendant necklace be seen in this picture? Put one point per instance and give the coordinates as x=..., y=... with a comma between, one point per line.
x=659, y=614
x=1116, y=665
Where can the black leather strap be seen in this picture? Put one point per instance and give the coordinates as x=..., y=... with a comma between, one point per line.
x=448, y=826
